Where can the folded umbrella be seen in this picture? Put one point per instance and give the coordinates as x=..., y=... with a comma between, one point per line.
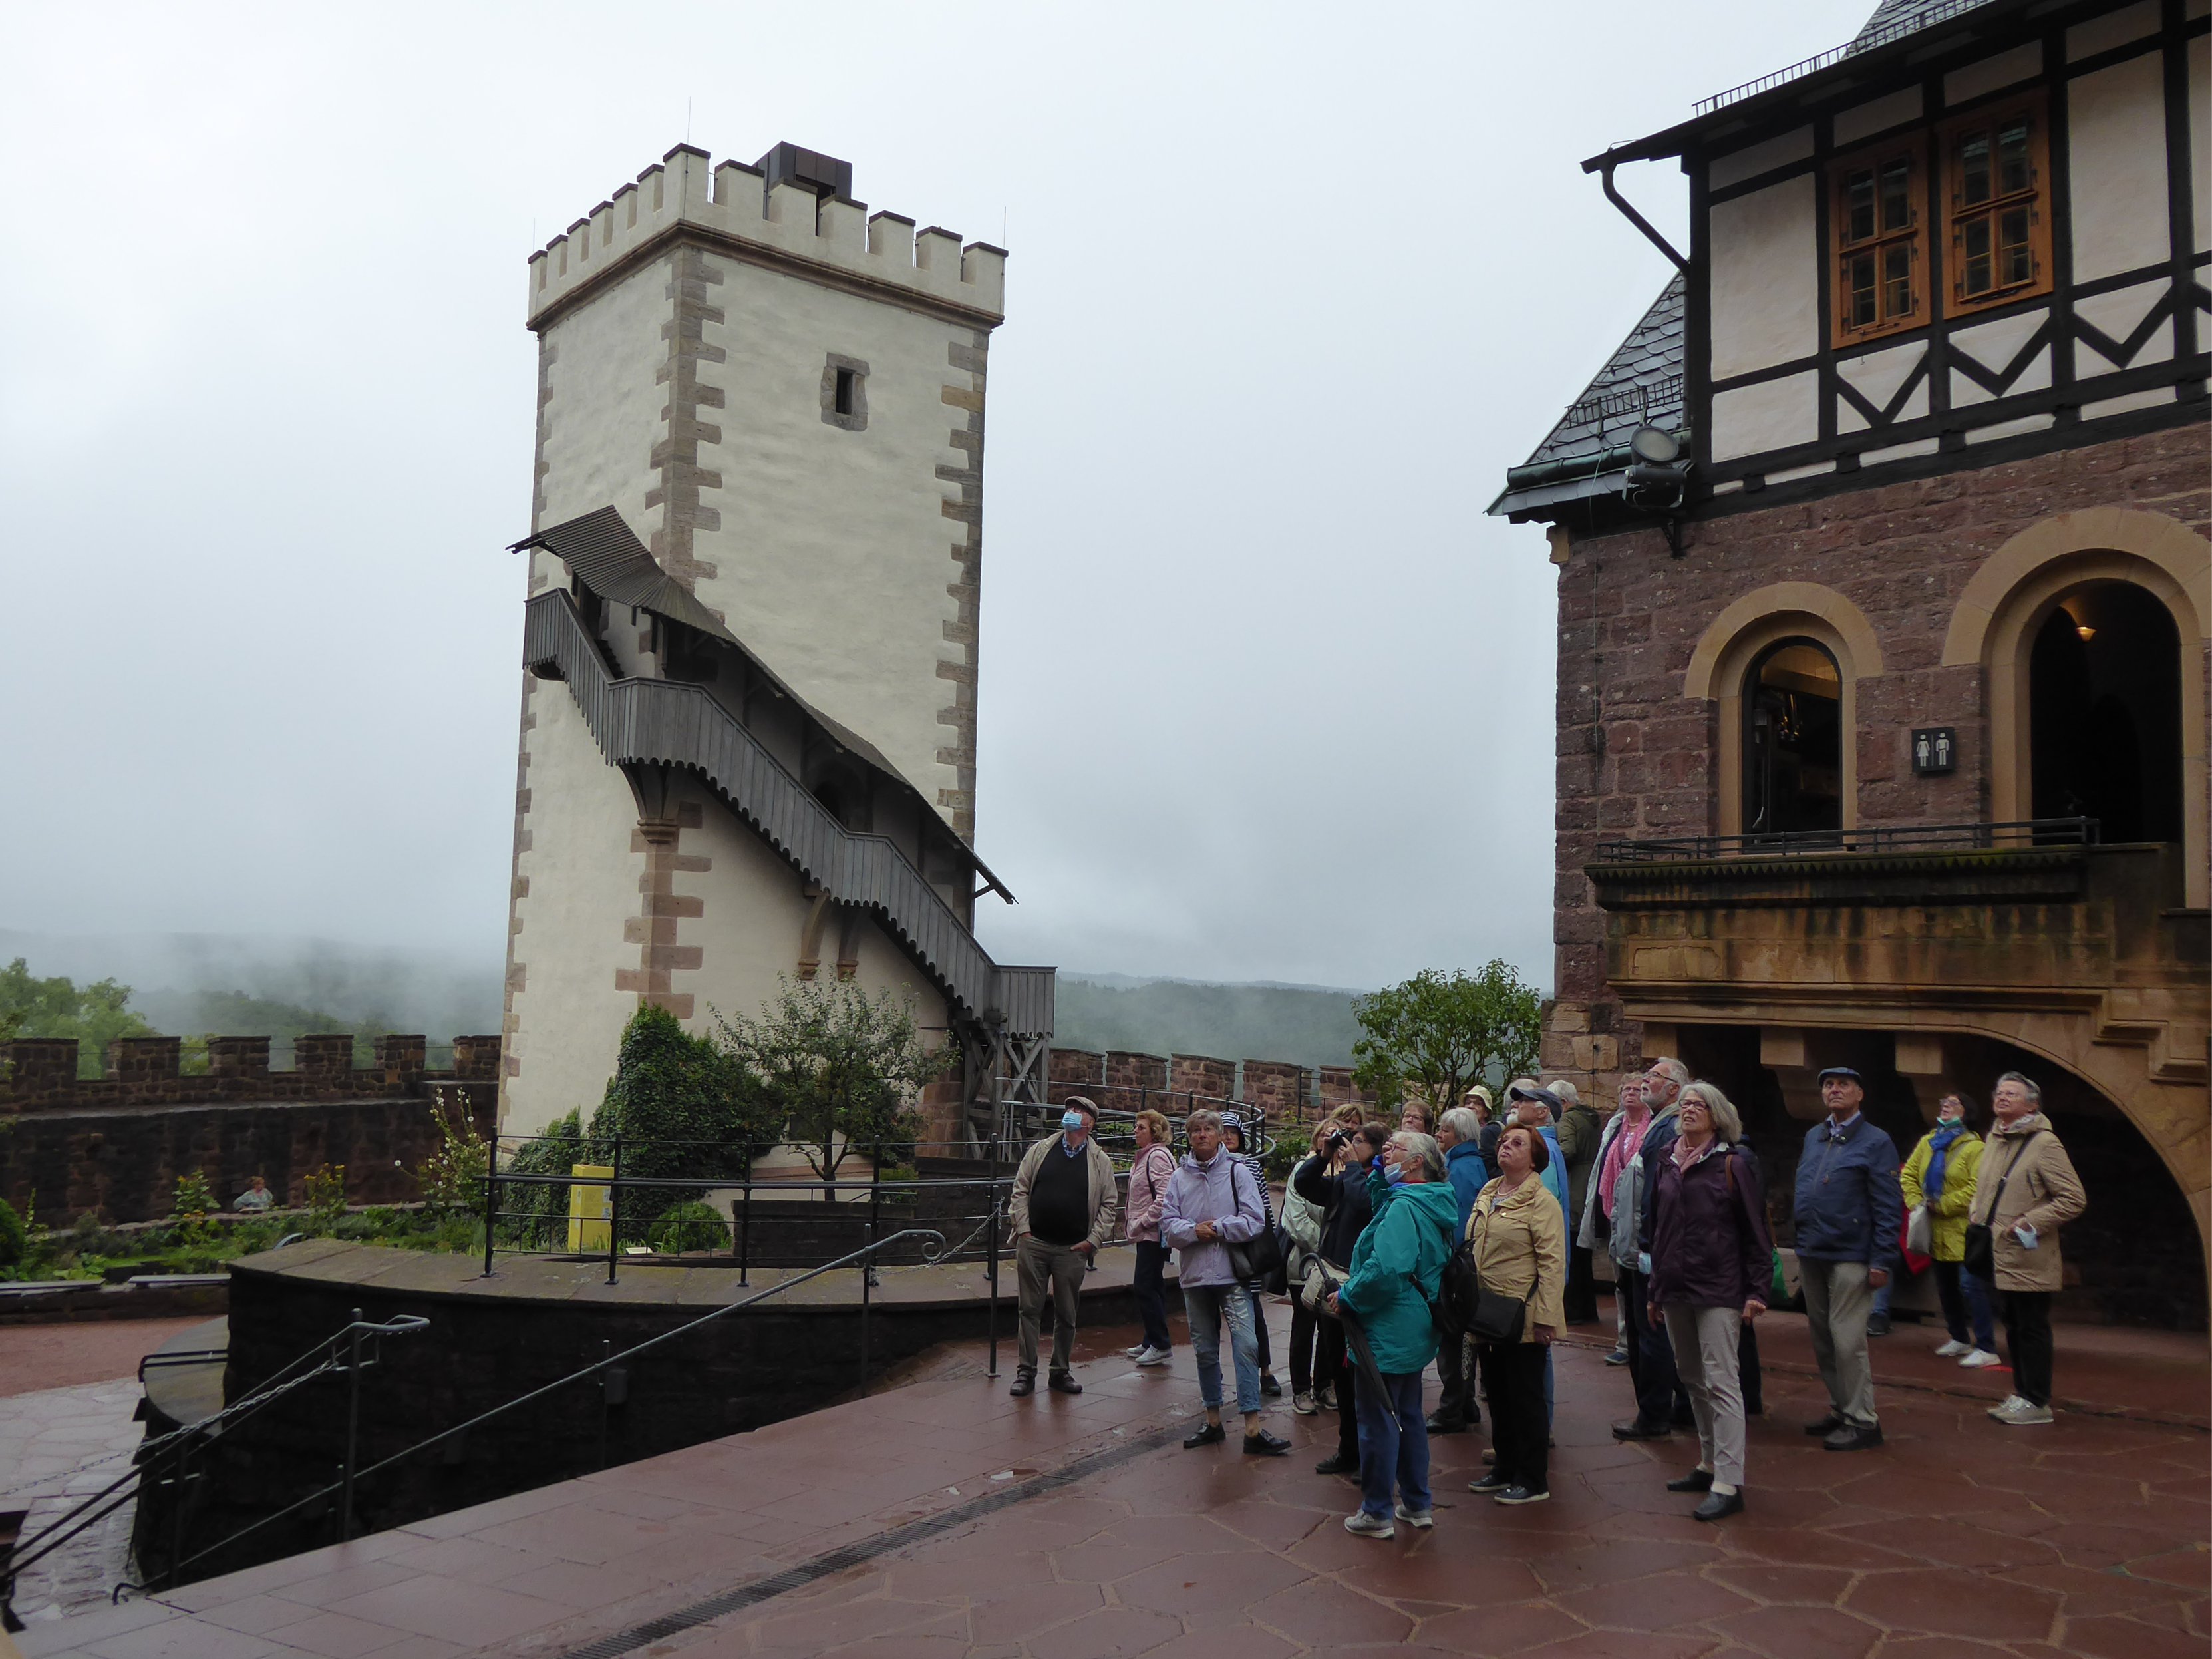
x=1355, y=1339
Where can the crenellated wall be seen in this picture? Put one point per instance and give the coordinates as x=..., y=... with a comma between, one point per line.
x=116, y=1145
x=831, y=238
x=1125, y=1082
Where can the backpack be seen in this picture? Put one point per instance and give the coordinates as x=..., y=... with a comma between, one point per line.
x=1459, y=1290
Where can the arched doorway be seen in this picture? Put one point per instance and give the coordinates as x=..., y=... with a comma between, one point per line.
x=2105, y=713
x=1793, y=740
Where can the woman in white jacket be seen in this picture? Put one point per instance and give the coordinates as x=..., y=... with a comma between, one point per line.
x=1302, y=1220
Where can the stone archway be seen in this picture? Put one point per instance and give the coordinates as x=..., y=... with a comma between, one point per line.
x=1994, y=626
x=1735, y=640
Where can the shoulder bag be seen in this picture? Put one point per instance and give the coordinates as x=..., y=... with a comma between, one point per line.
x=1258, y=1261
x=1981, y=1258
x=1488, y=1316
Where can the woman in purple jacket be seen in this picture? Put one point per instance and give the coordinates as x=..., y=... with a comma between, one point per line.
x=1711, y=1255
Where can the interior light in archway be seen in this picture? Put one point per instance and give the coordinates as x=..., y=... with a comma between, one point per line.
x=2086, y=632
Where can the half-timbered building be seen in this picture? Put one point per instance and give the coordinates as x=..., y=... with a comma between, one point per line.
x=1884, y=603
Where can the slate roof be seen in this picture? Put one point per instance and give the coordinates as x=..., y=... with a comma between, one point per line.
x=1640, y=385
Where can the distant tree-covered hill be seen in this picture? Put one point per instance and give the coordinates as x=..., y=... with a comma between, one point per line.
x=1308, y=1025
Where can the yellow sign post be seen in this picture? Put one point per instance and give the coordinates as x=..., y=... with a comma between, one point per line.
x=590, y=1211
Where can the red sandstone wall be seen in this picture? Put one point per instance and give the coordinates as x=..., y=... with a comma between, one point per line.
x=1634, y=755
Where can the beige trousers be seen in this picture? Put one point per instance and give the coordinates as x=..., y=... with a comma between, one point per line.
x=1837, y=1301
x=1704, y=1341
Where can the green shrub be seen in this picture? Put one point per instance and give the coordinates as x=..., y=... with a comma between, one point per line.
x=14, y=1237
x=690, y=1226
x=326, y=1194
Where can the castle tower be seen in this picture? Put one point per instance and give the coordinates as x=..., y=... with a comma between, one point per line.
x=756, y=534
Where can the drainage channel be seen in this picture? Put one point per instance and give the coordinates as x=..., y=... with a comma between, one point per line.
x=884, y=1543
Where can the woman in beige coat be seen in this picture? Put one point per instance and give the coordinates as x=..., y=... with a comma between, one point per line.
x=1520, y=1251
x=2027, y=1190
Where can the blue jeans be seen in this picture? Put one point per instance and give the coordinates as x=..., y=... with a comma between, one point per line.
x=1393, y=1456
x=1207, y=1305
x=1965, y=1297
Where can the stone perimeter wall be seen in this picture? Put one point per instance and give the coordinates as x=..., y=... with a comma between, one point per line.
x=116, y=1145
x=1124, y=1081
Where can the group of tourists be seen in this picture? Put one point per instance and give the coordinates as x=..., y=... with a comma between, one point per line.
x=1470, y=1241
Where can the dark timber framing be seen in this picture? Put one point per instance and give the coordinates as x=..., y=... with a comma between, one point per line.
x=2076, y=378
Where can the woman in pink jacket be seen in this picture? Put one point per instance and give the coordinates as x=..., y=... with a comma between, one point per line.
x=1148, y=1184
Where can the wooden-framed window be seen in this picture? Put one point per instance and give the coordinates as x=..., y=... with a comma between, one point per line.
x=1996, y=172
x=1879, y=228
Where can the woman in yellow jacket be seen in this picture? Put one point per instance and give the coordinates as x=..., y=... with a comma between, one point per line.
x=1940, y=1177
x=1519, y=1236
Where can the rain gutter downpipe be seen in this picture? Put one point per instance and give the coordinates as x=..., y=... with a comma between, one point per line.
x=1603, y=167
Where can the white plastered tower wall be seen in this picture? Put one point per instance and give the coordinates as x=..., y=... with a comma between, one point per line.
x=688, y=330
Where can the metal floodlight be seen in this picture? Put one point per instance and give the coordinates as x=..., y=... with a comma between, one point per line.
x=1655, y=444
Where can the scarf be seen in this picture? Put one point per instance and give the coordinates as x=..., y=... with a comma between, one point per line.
x=1629, y=1135
x=1939, y=1154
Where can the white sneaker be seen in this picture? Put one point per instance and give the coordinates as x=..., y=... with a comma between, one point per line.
x=1369, y=1525
x=2006, y=1405
x=1423, y=1519
x=1131, y=1353
x=1154, y=1357
x=2019, y=1413
x=1979, y=1358
x=1303, y=1404
x=1954, y=1348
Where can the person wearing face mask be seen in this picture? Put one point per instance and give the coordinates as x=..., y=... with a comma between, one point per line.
x=1395, y=1268
x=1939, y=1179
x=1062, y=1211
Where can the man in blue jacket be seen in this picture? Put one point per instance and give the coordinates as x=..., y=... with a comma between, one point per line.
x=1850, y=1206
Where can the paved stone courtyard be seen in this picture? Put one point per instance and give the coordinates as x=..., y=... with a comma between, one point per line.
x=942, y=1518
x=60, y=1442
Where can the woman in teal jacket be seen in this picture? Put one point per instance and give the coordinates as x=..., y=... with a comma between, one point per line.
x=1395, y=1267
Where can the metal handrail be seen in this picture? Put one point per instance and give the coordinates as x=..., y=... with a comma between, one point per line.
x=661, y=721
x=597, y=1367
x=2025, y=833
x=319, y=1361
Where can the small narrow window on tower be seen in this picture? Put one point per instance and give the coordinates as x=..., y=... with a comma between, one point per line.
x=845, y=392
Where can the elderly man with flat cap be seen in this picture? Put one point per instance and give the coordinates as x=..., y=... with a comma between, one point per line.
x=1850, y=1206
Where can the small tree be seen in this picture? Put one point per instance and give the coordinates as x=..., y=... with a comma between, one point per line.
x=452, y=1178
x=1444, y=1032
x=840, y=1066
x=682, y=1106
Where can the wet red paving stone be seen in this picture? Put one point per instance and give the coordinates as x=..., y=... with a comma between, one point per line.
x=1959, y=1539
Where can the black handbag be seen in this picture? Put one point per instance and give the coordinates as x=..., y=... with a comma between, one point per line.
x=1497, y=1319
x=1262, y=1260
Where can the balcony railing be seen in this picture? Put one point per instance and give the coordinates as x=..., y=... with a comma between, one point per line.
x=2024, y=833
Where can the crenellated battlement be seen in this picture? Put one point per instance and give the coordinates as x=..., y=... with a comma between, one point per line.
x=788, y=224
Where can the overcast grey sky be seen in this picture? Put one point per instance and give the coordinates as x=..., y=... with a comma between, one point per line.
x=1264, y=695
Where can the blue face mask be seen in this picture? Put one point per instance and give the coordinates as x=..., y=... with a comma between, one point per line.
x=1072, y=1121
x=1395, y=1175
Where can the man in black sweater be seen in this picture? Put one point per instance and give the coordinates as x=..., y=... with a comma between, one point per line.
x=1063, y=1208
